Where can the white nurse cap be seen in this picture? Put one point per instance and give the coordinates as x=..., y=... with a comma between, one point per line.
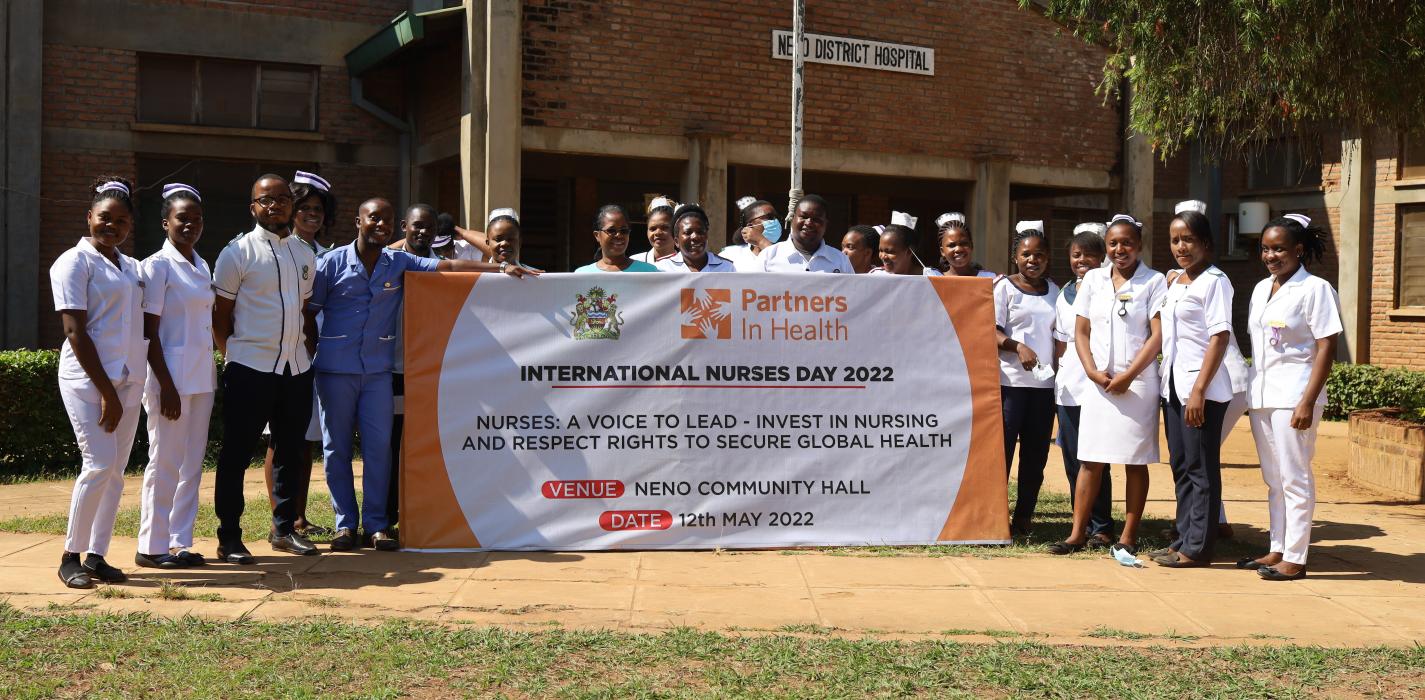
x=1091, y=227
x=305, y=178
x=1196, y=205
x=1302, y=219
x=502, y=211
x=900, y=218
x=1023, y=226
x=953, y=217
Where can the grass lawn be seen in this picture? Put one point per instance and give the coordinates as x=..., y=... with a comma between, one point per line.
x=256, y=518
x=1051, y=525
x=103, y=655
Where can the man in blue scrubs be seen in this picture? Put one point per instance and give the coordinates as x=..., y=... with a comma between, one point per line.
x=356, y=299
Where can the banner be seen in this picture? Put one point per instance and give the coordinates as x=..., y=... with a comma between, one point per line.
x=685, y=411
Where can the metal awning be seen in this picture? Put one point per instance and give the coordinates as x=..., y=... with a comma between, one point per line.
x=405, y=31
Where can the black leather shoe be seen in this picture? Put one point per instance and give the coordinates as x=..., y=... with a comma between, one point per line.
x=1270, y=574
x=1249, y=563
x=1183, y=562
x=293, y=543
x=1063, y=548
x=100, y=569
x=158, y=561
x=384, y=541
x=73, y=573
x=235, y=553
x=190, y=558
x=344, y=541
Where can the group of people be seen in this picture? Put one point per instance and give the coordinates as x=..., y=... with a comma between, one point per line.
x=311, y=338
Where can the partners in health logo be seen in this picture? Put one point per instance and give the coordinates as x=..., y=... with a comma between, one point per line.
x=706, y=314
x=596, y=316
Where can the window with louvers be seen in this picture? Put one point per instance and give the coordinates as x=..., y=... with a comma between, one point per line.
x=1410, y=258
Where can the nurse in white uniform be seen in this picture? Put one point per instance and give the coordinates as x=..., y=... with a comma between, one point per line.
x=178, y=396
x=660, y=231
x=957, y=249
x=896, y=248
x=1086, y=252
x=1024, y=332
x=1118, y=338
x=98, y=292
x=1196, y=316
x=1294, y=320
x=690, y=226
x=760, y=229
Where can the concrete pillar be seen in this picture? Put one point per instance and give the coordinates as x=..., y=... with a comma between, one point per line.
x=989, y=214
x=1354, y=243
x=1138, y=185
x=21, y=45
x=503, y=100
x=473, y=118
x=705, y=182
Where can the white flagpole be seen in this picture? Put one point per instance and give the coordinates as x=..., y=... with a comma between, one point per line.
x=794, y=194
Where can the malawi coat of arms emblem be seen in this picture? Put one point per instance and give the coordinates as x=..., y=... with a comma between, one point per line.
x=596, y=316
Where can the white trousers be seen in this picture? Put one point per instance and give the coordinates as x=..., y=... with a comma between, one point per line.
x=175, y=468
x=1285, y=454
x=101, y=477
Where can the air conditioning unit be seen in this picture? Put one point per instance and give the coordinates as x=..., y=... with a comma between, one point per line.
x=1252, y=217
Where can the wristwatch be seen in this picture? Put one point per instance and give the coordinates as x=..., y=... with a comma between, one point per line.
x=504, y=264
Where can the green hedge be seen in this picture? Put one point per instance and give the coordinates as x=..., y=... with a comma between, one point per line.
x=35, y=435
x=1354, y=387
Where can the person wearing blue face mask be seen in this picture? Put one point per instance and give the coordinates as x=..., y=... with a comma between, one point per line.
x=759, y=229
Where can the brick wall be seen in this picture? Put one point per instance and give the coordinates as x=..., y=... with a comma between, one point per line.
x=1008, y=83
x=76, y=96
x=1394, y=343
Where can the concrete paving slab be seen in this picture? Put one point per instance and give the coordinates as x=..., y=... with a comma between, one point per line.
x=723, y=607
x=1075, y=613
x=500, y=595
x=11, y=543
x=541, y=618
x=824, y=571
x=914, y=610
x=764, y=569
x=1405, y=615
x=1305, y=618
x=559, y=566
x=1064, y=574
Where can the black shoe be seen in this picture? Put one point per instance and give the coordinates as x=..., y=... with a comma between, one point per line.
x=1249, y=563
x=1164, y=552
x=345, y=541
x=190, y=558
x=100, y=569
x=158, y=561
x=235, y=553
x=1183, y=562
x=72, y=573
x=384, y=541
x=311, y=531
x=1100, y=541
x=1063, y=548
x=293, y=543
x=1270, y=574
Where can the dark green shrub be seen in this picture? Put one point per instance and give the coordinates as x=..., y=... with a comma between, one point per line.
x=1354, y=387
x=35, y=435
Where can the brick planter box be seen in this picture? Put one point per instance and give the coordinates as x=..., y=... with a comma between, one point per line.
x=1388, y=453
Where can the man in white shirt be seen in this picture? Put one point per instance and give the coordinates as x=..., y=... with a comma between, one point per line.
x=263, y=279
x=805, y=251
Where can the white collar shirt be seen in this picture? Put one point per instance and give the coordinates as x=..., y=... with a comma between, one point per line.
x=111, y=296
x=1029, y=319
x=784, y=257
x=179, y=292
x=269, y=278
x=1190, y=315
x=1119, y=318
x=1284, y=328
x=742, y=257
x=676, y=263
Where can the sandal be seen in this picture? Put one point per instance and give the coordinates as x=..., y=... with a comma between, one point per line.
x=1063, y=548
x=1270, y=574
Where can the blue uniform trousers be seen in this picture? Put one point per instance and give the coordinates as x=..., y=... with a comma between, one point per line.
x=352, y=403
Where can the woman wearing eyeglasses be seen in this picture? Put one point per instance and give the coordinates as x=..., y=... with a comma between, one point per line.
x=1117, y=338
x=611, y=233
x=1294, y=320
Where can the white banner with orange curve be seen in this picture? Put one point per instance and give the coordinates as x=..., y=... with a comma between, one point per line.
x=685, y=411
